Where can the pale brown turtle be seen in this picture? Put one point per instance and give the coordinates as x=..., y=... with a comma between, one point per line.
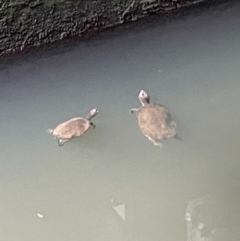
x=73, y=128
x=154, y=120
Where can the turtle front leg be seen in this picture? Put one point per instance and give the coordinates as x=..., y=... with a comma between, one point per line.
x=134, y=110
x=61, y=142
x=93, y=126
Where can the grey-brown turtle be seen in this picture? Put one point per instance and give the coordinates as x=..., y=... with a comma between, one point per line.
x=155, y=121
x=73, y=128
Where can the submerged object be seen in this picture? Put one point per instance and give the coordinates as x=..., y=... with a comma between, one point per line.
x=74, y=127
x=120, y=209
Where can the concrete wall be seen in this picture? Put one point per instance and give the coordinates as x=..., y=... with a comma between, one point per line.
x=28, y=24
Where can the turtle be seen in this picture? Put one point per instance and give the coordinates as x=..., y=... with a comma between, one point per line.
x=154, y=120
x=74, y=127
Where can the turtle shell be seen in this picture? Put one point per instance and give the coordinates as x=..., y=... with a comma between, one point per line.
x=155, y=122
x=71, y=128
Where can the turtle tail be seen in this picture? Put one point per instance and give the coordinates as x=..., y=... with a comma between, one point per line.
x=50, y=131
x=177, y=137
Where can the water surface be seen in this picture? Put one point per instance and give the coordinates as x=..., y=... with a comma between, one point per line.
x=190, y=65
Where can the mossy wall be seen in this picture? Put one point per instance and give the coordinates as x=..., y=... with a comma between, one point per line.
x=28, y=24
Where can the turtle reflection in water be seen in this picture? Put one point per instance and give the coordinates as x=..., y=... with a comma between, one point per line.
x=73, y=128
x=155, y=121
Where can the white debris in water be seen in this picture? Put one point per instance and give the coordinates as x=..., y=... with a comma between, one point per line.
x=213, y=232
x=40, y=215
x=200, y=226
x=188, y=217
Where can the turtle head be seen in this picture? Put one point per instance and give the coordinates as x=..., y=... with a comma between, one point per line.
x=143, y=98
x=91, y=114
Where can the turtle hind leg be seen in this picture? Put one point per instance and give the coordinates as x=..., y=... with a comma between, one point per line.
x=93, y=126
x=155, y=142
x=134, y=110
x=177, y=137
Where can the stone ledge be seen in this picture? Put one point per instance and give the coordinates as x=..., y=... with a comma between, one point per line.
x=29, y=24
